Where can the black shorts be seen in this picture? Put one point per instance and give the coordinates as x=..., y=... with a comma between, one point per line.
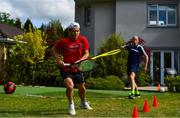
x=76, y=77
x=132, y=68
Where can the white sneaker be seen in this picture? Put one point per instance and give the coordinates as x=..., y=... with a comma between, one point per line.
x=71, y=109
x=85, y=105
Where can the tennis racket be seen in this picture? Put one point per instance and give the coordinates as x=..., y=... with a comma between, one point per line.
x=88, y=64
x=106, y=54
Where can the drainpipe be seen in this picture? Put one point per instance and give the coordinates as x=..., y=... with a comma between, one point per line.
x=151, y=67
x=162, y=67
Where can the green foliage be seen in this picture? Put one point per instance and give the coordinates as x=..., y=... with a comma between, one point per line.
x=110, y=82
x=65, y=33
x=114, y=64
x=28, y=26
x=54, y=30
x=42, y=28
x=48, y=74
x=143, y=79
x=5, y=18
x=18, y=23
x=173, y=83
x=24, y=55
x=30, y=46
x=177, y=83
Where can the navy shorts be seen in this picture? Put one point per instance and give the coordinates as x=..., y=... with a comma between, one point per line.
x=76, y=77
x=132, y=68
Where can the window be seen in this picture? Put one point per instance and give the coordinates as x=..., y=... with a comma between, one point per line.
x=87, y=16
x=162, y=15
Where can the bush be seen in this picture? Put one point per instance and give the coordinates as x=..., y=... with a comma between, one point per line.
x=143, y=79
x=169, y=81
x=177, y=83
x=173, y=82
x=115, y=82
x=48, y=74
x=114, y=64
x=108, y=83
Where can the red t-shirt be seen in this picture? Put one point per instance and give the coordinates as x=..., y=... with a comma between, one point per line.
x=72, y=50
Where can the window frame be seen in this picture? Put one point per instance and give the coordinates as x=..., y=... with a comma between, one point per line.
x=87, y=16
x=156, y=23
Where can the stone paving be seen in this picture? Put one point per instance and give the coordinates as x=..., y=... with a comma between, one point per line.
x=147, y=88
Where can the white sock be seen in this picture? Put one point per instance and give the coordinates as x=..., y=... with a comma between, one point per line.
x=72, y=104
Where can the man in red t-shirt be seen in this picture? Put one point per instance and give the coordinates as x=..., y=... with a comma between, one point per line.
x=75, y=48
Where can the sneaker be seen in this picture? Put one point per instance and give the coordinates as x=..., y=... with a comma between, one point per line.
x=85, y=105
x=131, y=96
x=137, y=95
x=71, y=109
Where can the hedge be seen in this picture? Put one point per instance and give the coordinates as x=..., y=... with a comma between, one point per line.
x=110, y=82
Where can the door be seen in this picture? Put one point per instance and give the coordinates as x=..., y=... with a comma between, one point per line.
x=160, y=61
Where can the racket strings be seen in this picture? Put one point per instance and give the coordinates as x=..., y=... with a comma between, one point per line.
x=86, y=65
x=107, y=54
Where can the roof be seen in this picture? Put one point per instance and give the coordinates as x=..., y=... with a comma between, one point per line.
x=9, y=31
x=90, y=1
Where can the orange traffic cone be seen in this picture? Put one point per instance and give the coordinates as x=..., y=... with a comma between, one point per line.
x=135, y=113
x=146, y=106
x=155, y=102
x=158, y=87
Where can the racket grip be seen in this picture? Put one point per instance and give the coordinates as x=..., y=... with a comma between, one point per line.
x=78, y=61
x=67, y=64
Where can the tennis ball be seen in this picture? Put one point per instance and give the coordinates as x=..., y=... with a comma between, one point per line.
x=9, y=87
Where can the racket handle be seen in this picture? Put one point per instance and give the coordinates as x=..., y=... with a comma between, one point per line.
x=78, y=61
x=93, y=58
x=67, y=64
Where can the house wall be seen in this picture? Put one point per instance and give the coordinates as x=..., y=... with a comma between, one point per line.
x=131, y=19
x=88, y=31
x=128, y=17
x=104, y=22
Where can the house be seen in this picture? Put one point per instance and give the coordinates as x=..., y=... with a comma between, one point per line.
x=156, y=21
x=7, y=32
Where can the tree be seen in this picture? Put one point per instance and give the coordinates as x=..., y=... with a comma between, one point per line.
x=54, y=30
x=65, y=33
x=28, y=25
x=42, y=28
x=5, y=18
x=29, y=50
x=18, y=23
x=114, y=64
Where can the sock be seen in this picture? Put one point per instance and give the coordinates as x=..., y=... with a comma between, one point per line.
x=71, y=104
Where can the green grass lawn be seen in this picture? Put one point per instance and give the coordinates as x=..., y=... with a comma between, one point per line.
x=52, y=102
